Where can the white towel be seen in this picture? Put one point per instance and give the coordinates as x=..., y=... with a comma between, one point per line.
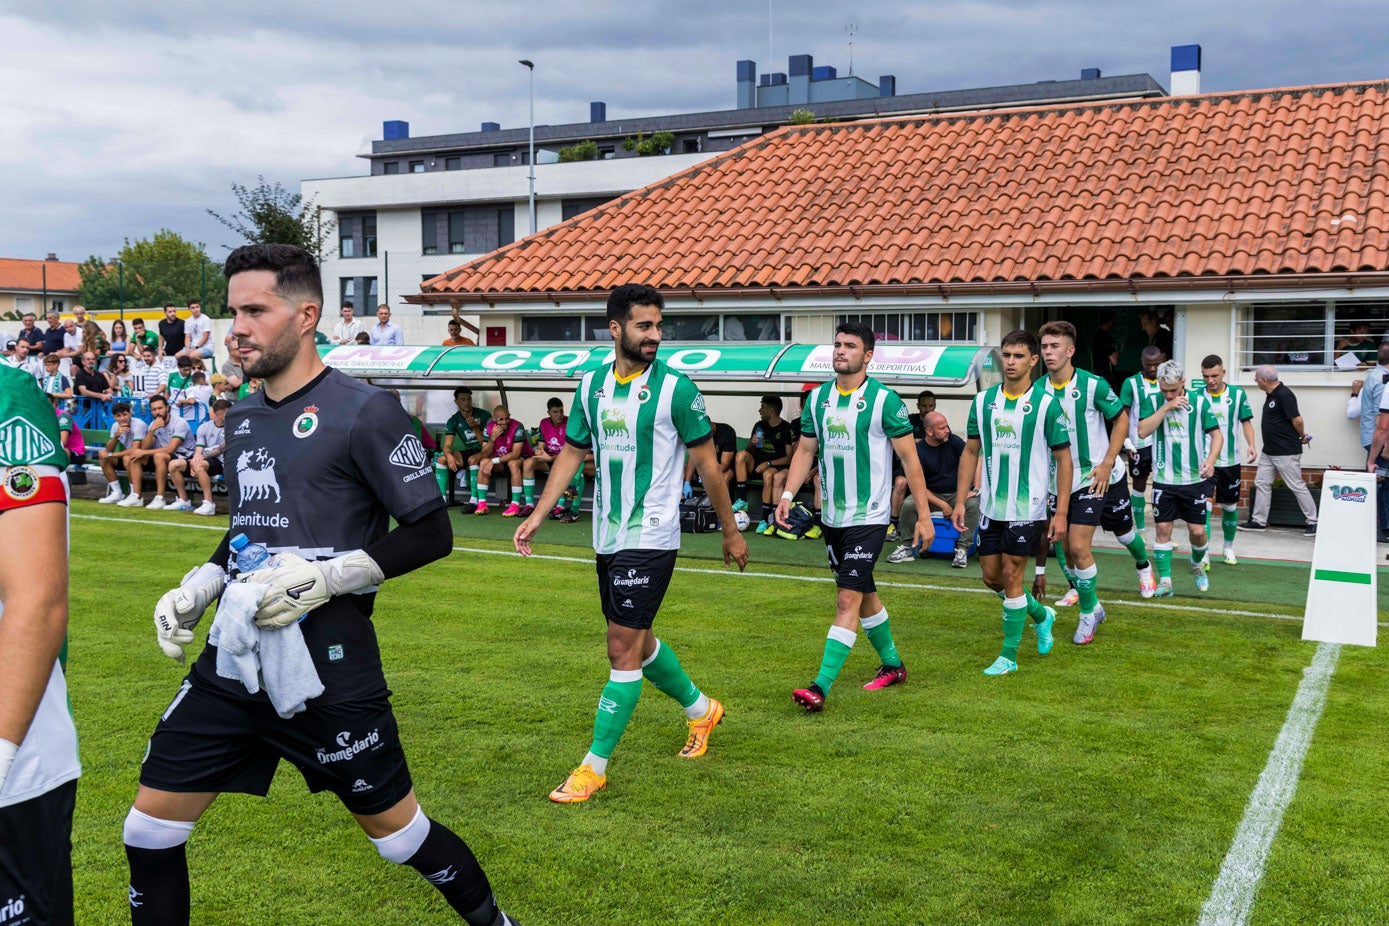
x=249, y=655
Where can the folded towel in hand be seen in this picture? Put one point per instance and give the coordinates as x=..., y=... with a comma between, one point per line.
x=246, y=654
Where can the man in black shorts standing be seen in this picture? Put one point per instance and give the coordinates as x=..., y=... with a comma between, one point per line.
x=1134, y=394
x=318, y=464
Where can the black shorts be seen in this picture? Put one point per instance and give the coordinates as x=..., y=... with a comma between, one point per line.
x=210, y=741
x=852, y=552
x=1117, y=517
x=1181, y=503
x=1227, y=480
x=632, y=585
x=1011, y=538
x=36, y=859
x=1141, y=463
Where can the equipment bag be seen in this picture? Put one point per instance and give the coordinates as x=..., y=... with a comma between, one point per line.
x=697, y=516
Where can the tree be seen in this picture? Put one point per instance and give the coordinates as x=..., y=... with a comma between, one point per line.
x=270, y=214
x=147, y=273
x=658, y=143
x=581, y=151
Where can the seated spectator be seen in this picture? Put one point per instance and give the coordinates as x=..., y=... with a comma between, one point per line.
x=767, y=455
x=939, y=452
x=231, y=369
x=725, y=451
x=72, y=341
x=363, y=338
x=506, y=445
x=121, y=454
x=925, y=404
x=249, y=387
x=188, y=394
x=90, y=383
x=208, y=456
x=79, y=316
x=54, y=382
x=1359, y=342
x=222, y=387
x=546, y=443
x=455, y=338
x=141, y=339
x=94, y=340
x=168, y=437
x=149, y=376
x=463, y=440
x=197, y=332
x=119, y=380
x=22, y=358
x=120, y=338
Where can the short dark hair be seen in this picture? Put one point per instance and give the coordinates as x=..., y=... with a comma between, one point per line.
x=1060, y=329
x=158, y=397
x=462, y=390
x=120, y=408
x=138, y=321
x=347, y=305
x=1025, y=338
x=925, y=394
x=221, y=405
x=773, y=400
x=171, y=305
x=1212, y=360
x=452, y=322
x=621, y=300
x=295, y=269
x=858, y=330
x=1151, y=352
x=555, y=402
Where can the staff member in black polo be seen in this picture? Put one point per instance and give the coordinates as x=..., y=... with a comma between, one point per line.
x=939, y=452
x=1284, y=437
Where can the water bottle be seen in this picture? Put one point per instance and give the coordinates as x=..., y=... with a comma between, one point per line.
x=249, y=557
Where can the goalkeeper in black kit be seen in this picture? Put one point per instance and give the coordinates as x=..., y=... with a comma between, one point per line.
x=317, y=464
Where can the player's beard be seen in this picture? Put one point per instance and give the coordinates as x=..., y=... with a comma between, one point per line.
x=631, y=348
x=847, y=367
x=275, y=356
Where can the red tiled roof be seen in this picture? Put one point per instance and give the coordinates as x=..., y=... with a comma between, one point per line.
x=1292, y=181
x=29, y=275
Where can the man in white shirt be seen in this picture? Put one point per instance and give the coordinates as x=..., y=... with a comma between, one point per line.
x=346, y=331
x=383, y=332
x=21, y=357
x=197, y=329
x=149, y=376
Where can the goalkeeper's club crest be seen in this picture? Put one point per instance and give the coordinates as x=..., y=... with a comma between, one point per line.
x=307, y=423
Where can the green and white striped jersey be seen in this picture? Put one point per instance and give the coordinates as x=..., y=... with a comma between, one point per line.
x=1134, y=393
x=1017, y=435
x=1231, y=407
x=638, y=431
x=1180, y=442
x=855, y=434
x=1087, y=402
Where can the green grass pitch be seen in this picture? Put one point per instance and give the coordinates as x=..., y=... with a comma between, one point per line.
x=1098, y=785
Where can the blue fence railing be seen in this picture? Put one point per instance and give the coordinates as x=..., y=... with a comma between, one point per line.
x=95, y=414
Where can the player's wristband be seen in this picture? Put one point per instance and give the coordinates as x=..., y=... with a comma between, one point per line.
x=1041, y=570
x=787, y=496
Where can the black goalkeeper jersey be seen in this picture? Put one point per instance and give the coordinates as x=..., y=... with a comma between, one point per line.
x=320, y=474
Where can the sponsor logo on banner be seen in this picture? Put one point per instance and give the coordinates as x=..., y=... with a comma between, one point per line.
x=1356, y=494
x=887, y=359
x=22, y=442
x=351, y=357
x=350, y=748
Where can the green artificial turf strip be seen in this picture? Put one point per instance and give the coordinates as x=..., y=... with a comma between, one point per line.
x=1098, y=785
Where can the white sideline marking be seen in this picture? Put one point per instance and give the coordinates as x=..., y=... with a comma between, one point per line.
x=770, y=575
x=1232, y=897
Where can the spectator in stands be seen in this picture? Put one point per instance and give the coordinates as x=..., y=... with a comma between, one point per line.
x=346, y=331
x=149, y=376
x=72, y=340
x=197, y=332
x=207, y=456
x=231, y=370
x=251, y=385
x=53, y=336
x=505, y=446
x=90, y=383
x=725, y=451
x=198, y=398
x=121, y=454
x=172, y=335
x=385, y=331
x=939, y=451
x=767, y=455
x=21, y=358
x=54, y=382
x=118, y=376
x=1159, y=336
x=169, y=436
x=79, y=316
x=29, y=332
x=222, y=387
x=455, y=338
x=463, y=440
x=1366, y=396
x=94, y=340
x=140, y=340
x=1284, y=436
x=1104, y=352
x=1359, y=342
x=363, y=338
x=179, y=381
x=120, y=338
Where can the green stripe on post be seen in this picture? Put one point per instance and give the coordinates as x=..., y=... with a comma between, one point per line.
x=1332, y=575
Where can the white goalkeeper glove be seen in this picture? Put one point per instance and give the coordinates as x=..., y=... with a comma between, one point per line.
x=179, y=610
x=8, y=751
x=297, y=586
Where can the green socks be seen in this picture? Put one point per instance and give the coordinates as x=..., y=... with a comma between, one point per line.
x=1066, y=570
x=1133, y=542
x=516, y=495
x=1014, y=617
x=662, y=669
x=615, y=707
x=578, y=485
x=529, y=486
x=1085, y=585
x=880, y=635
x=1163, y=554
x=1136, y=499
x=1035, y=609
x=472, y=483
x=1229, y=524
x=837, y=646
x=441, y=478
x=1198, y=554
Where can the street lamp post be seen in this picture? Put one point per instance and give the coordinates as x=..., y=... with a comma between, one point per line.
x=530, y=66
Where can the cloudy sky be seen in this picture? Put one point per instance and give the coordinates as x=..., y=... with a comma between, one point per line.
x=118, y=119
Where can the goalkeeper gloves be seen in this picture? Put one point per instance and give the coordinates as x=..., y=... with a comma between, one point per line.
x=296, y=586
x=177, y=613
